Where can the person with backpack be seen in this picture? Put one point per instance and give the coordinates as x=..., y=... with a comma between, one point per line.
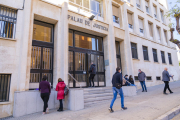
x=117, y=88
x=60, y=93
x=92, y=72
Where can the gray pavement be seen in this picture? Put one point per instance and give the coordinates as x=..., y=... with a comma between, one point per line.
x=144, y=106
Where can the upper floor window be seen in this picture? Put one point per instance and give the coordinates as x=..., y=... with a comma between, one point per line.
x=145, y=53
x=155, y=11
x=169, y=57
x=162, y=15
x=147, y=6
x=155, y=55
x=130, y=20
x=115, y=14
x=138, y=3
x=150, y=29
x=134, y=50
x=93, y=6
x=158, y=34
x=165, y=36
x=141, y=26
x=163, y=57
x=8, y=19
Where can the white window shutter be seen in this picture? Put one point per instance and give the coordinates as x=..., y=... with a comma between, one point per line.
x=115, y=11
x=146, y=3
x=138, y=2
x=141, y=23
x=130, y=21
x=150, y=30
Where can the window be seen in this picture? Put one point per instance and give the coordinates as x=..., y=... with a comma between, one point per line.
x=96, y=7
x=8, y=18
x=158, y=78
x=138, y=3
x=147, y=6
x=70, y=38
x=130, y=20
x=145, y=53
x=162, y=15
x=163, y=57
x=169, y=57
x=150, y=29
x=158, y=34
x=136, y=77
x=155, y=11
x=148, y=78
x=5, y=80
x=155, y=55
x=115, y=14
x=165, y=36
x=134, y=50
x=141, y=27
x=129, y=1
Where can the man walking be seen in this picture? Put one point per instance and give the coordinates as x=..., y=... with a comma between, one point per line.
x=166, y=79
x=142, y=77
x=117, y=79
x=92, y=72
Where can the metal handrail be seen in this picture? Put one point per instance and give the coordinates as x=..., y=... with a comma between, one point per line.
x=75, y=80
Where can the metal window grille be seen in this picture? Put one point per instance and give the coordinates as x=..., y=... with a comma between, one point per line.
x=8, y=18
x=155, y=55
x=138, y=5
x=155, y=15
x=134, y=50
x=170, y=60
x=130, y=26
x=147, y=9
x=5, y=80
x=136, y=77
x=116, y=19
x=163, y=57
x=145, y=53
x=158, y=78
x=148, y=78
x=141, y=30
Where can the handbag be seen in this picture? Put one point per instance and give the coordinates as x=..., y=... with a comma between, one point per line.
x=118, y=85
x=66, y=90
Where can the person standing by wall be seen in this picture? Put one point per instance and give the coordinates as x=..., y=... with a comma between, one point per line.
x=117, y=79
x=92, y=72
x=142, y=77
x=45, y=89
x=60, y=95
x=166, y=79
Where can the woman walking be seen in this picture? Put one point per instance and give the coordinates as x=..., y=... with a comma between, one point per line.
x=60, y=95
x=45, y=89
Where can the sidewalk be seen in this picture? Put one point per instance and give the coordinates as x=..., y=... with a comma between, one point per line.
x=144, y=106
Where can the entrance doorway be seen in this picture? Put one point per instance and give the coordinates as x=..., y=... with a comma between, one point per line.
x=85, y=49
x=41, y=54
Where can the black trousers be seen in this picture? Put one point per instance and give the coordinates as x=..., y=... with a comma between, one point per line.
x=61, y=104
x=45, y=98
x=166, y=86
x=91, y=77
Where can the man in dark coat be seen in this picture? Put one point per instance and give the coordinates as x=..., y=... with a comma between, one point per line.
x=141, y=78
x=166, y=79
x=92, y=72
x=117, y=78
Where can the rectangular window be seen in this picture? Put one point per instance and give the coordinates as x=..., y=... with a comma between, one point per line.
x=165, y=36
x=138, y=3
x=130, y=20
x=96, y=7
x=155, y=11
x=5, y=80
x=136, y=77
x=70, y=38
x=134, y=50
x=150, y=29
x=115, y=14
x=141, y=26
x=163, y=57
x=148, y=78
x=147, y=6
x=8, y=19
x=162, y=15
x=145, y=53
x=158, y=34
x=155, y=55
x=169, y=57
x=158, y=78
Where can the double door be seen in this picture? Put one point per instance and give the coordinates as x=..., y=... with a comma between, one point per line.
x=79, y=65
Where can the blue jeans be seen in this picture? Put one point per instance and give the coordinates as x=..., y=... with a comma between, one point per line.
x=115, y=91
x=143, y=85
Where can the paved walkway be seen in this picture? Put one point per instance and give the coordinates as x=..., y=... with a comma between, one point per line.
x=144, y=106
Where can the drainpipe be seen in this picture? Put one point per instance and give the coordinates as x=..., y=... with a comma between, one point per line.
x=23, y=6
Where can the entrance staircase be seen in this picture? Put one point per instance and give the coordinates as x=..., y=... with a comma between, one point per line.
x=93, y=96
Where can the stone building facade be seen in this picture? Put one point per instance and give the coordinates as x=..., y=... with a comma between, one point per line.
x=59, y=38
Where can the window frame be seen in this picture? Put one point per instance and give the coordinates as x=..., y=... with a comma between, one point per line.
x=170, y=58
x=155, y=53
x=134, y=48
x=145, y=51
x=163, y=57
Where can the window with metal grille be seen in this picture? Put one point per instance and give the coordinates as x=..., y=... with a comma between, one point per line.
x=5, y=80
x=145, y=53
x=163, y=57
x=8, y=18
x=148, y=78
x=155, y=55
x=134, y=50
x=136, y=77
x=158, y=78
x=169, y=57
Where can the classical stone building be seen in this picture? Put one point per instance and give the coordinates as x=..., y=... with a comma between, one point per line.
x=59, y=38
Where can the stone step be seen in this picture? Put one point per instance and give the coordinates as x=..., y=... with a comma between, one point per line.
x=97, y=89
x=97, y=92
x=97, y=99
x=88, y=96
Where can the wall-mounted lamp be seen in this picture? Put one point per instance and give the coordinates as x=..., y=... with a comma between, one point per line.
x=91, y=17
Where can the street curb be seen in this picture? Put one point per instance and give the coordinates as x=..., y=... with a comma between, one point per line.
x=169, y=115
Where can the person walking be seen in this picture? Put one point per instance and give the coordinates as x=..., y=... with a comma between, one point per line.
x=166, y=78
x=45, y=89
x=60, y=93
x=92, y=72
x=117, y=80
x=142, y=77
